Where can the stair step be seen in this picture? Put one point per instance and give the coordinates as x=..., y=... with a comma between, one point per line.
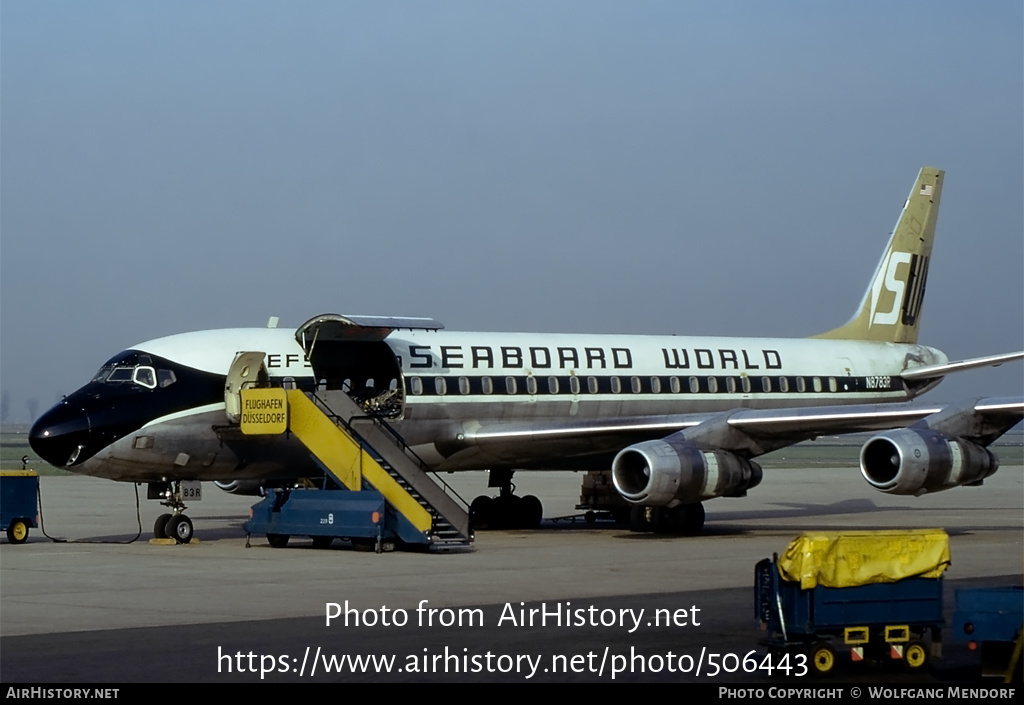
x=441, y=528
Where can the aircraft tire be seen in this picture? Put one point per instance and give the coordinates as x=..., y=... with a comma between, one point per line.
x=690, y=519
x=639, y=519
x=530, y=511
x=179, y=528
x=160, y=526
x=17, y=531
x=505, y=512
x=481, y=512
x=663, y=520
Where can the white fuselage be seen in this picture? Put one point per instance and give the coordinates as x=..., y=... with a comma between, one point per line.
x=530, y=376
x=450, y=384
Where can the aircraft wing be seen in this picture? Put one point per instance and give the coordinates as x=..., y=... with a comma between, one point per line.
x=677, y=462
x=748, y=432
x=812, y=422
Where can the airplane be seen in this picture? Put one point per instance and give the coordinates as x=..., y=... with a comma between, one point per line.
x=677, y=420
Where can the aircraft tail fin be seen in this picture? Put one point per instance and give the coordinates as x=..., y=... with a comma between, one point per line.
x=891, y=308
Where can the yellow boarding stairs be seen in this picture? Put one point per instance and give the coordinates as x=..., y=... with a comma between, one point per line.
x=361, y=451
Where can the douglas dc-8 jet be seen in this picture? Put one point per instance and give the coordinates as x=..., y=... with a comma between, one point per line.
x=677, y=420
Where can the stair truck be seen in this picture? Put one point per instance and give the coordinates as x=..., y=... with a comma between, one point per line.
x=375, y=492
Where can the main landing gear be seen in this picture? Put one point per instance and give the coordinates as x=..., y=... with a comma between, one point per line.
x=683, y=519
x=507, y=510
x=175, y=525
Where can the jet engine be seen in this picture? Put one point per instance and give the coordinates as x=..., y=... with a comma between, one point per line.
x=915, y=461
x=674, y=471
x=246, y=488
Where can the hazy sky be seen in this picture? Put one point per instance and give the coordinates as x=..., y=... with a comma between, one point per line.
x=727, y=168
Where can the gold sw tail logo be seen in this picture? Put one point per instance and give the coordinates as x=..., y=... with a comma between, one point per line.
x=906, y=286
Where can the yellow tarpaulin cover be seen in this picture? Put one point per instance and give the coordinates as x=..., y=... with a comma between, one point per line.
x=848, y=558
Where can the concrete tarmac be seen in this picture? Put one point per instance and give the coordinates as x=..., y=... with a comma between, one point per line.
x=99, y=609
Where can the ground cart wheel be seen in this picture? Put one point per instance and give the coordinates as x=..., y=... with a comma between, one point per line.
x=914, y=656
x=17, y=531
x=278, y=540
x=823, y=658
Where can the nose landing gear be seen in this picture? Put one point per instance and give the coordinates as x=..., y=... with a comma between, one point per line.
x=175, y=525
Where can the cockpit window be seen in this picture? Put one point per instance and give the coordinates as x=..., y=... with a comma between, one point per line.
x=132, y=367
x=121, y=374
x=145, y=376
x=103, y=373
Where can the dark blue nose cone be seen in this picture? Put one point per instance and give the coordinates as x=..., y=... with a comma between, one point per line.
x=61, y=435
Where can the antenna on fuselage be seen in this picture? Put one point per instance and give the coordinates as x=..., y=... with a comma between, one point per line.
x=272, y=322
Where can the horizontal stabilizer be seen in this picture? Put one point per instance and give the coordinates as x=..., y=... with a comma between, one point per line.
x=932, y=371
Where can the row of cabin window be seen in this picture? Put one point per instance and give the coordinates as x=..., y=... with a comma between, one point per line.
x=631, y=384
